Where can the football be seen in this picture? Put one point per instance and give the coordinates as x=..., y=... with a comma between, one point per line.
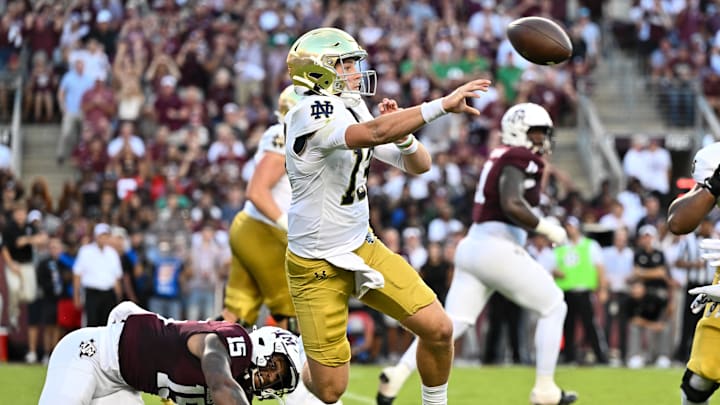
x=540, y=40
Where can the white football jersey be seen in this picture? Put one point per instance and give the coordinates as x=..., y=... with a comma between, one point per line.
x=272, y=141
x=706, y=161
x=329, y=212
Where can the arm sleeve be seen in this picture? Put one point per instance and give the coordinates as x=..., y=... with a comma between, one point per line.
x=390, y=154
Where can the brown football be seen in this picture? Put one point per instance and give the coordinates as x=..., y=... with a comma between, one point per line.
x=539, y=40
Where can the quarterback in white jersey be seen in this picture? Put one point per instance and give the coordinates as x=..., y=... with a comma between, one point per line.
x=332, y=254
x=702, y=375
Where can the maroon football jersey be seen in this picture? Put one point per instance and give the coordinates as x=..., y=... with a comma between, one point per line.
x=487, y=194
x=154, y=357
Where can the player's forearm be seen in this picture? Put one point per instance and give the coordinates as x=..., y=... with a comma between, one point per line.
x=686, y=212
x=227, y=395
x=225, y=390
x=392, y=127
x=263, y=200
x=418, y=162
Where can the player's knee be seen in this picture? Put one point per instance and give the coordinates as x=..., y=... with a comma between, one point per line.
x=559, y=310
x=441, y=331
x=328, y=393
x=696, y=388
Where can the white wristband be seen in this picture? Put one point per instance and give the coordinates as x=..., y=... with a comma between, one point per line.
x=282, y=222
x=408, y=146
x=432, y=110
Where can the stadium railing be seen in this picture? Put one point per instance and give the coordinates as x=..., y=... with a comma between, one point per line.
x=593, y=138
x=16, y=128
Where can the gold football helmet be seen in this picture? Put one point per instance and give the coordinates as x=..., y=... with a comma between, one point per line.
x=314, y=56
x=287, y=100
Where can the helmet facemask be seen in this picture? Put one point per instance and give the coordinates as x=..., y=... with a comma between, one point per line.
x=276, y=389
x=547, y=144
x=344, y=81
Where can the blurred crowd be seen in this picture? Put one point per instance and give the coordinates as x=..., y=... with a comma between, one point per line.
x=161, y=105
x=678, y=45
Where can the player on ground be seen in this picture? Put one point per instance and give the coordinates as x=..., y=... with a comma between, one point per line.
x=185, y=361
x=492, y=256
x=702, y=375
x=257, y=271
x=331, y=138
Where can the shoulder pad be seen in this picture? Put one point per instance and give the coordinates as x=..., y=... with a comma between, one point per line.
x=273, y=140
x=705, y=162
x=313, y=113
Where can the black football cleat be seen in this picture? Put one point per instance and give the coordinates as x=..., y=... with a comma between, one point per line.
x=383, y=400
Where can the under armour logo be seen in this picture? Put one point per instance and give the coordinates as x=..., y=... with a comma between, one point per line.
x=88, y=348
x=321, y=275
x=318, y=109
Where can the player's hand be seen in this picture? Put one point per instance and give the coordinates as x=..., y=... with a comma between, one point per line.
x=556, y=233
x=455, y=101
x=712, y=292
x=387, y=106
x=712, y=183
x=699, y=303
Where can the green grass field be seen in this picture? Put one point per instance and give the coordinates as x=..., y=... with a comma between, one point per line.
x=21, y=385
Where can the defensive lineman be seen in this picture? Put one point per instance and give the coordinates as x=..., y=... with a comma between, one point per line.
x=492, y=256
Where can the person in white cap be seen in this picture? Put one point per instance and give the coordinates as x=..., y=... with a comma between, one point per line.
x=98, y=273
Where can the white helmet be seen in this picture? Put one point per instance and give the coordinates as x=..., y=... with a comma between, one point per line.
x=518, y=119
x=267, y=342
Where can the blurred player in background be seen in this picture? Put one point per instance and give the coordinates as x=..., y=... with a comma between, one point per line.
x=492, y=256
x=702, y=375
x=186, y=361
x=257, y=272
x=332, y=252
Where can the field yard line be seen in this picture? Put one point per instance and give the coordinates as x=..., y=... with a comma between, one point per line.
x=358, y=398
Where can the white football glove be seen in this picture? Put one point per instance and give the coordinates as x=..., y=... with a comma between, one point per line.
x=710, y=249
x=705, y=294
x=554, y=232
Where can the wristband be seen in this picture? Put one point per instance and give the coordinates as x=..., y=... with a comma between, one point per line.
x=408, y=146
x=432, y=110
x=282, y=222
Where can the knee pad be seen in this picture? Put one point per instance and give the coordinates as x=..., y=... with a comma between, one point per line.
x=696, y=388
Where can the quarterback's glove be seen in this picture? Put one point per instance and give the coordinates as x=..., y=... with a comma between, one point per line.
x=705, y=294
x=554, y=232
x=712, y=183
x=699, y=303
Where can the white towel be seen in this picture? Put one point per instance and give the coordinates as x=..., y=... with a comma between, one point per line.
x=366, y=278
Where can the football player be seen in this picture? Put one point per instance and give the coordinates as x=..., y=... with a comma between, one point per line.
x=702, y=375
x=257, y=270
x=331, y=137
x=492, y=256
x=184, y=361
